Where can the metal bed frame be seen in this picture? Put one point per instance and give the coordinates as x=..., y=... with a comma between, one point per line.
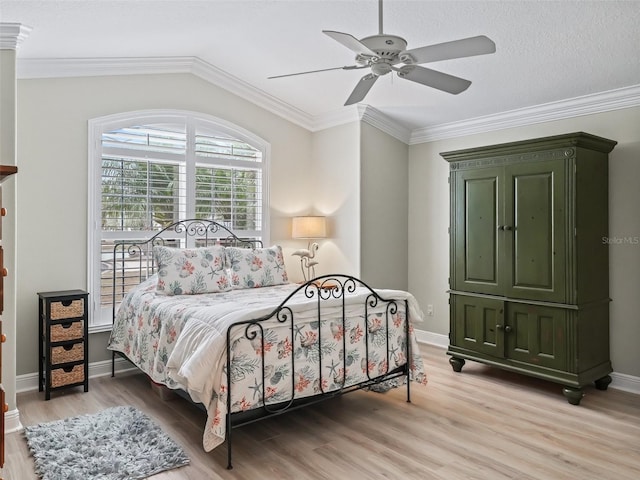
x=136, y=255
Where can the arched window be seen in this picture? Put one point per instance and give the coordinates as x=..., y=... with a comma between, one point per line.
x=149, y=169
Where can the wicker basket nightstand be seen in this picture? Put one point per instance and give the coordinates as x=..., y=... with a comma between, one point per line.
x=63, y=345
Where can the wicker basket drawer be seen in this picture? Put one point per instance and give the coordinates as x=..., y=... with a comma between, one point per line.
x=67, y=309
x=67, y=331
x=67, y=353
x=67, y=375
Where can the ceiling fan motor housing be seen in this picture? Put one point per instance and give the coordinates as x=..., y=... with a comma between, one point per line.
x=387, y=47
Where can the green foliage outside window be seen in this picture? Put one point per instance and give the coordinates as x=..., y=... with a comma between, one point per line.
x=149, y=194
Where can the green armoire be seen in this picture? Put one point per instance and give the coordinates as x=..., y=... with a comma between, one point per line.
x=529, y=268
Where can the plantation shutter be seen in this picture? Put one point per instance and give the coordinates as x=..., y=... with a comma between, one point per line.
x=155, y=174
x=143, y=187
x=229, y=183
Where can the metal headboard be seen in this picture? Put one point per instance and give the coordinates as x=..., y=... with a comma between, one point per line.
x=133, y=259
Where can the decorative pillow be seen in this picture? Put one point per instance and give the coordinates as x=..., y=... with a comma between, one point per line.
x=189, y=271
x=254, y=268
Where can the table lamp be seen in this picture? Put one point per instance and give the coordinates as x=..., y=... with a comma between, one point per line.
x=309, y=228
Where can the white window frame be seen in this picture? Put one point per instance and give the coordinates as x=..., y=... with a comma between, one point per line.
x=100, y=317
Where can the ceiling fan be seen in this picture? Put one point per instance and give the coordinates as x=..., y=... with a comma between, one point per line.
x=384, y=53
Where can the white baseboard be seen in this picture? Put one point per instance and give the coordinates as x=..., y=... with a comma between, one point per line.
x=29, y=381
x=628, y=383
x=12, y=421
x=620, y=381
x=431, y=338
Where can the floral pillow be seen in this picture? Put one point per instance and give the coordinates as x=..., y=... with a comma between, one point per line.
x=254, y=268
x=190, y=271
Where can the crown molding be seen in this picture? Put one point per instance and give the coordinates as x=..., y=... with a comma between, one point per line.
x=626, y=97
x=381, y=121
x=239, y=87
x=28, y=68
x=336, y=117
x=12, y=35
x=78, y=67
x=90, y=67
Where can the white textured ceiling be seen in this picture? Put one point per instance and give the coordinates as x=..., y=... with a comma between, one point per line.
x=547, y=51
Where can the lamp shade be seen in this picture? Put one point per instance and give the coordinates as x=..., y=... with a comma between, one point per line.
x=309, y=227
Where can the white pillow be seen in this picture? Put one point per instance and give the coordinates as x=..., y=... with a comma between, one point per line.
x=257, y=267
x=190, y=271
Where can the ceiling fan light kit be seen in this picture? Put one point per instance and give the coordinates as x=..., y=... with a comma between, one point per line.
x=384, y=53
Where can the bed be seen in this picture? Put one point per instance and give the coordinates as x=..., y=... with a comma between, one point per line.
x=214, y=316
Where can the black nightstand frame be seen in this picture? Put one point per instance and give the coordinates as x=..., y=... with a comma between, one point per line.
x=45, y=323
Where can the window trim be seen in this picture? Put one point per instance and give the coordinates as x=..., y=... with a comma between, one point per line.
x=193, y=121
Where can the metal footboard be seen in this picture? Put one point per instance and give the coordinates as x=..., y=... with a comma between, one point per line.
x=321, y=289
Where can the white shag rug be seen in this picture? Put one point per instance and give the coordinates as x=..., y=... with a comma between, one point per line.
x=119, y=443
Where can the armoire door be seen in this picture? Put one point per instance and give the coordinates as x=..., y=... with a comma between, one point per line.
x=477, y=324
x=537, y=335
x=533, y=233
x=476, y=214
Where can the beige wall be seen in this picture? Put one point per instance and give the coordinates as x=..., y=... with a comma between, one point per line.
x=384, y=203
x=334, y=173
x=52, y=182
x=429, y=220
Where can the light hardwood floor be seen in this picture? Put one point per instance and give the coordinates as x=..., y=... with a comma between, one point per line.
x=482, y=423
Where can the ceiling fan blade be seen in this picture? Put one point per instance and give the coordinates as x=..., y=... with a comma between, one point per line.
x=362, y=88
x=348, y=67
x=351, y=42
x=432, y=78
x=466, y=47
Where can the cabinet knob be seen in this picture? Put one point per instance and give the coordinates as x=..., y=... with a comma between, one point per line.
x=3, y=338
x=3, y=212
x=500, y=227
x=5, y=408
x=5, y=272
x=508, y=227
x=507, y=328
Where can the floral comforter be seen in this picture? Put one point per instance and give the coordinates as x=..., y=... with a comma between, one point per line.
x=180, y=342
